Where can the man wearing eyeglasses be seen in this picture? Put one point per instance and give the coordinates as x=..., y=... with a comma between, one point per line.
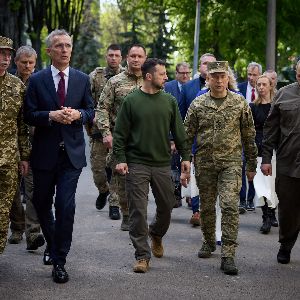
x=191, y=89
x=182, y=75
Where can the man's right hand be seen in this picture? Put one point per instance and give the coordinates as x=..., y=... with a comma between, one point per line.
x=107, y=141
x=122, y=168
x=266, y=169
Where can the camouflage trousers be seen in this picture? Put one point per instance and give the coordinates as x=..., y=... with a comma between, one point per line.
x=8, y=186
x=224, y=180
x=28, y=221
x=117, y=195
x=98, y=164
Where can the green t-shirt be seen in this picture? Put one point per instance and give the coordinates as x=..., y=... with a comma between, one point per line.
x=143, y=127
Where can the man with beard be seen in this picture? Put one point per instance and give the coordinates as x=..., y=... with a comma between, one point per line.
x=142, y=151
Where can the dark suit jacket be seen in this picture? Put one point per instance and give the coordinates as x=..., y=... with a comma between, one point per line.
x=188, y=94
x=172, y=88
x=41, y=98
x=243, y=88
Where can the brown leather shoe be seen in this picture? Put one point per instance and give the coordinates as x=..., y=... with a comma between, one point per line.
x=156, y=246
x=141, y=266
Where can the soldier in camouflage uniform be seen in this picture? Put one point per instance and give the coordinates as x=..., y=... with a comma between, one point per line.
x=222, y=122
x=98, y=79
x=14, y=140
x=110, y=101
x=25, y=61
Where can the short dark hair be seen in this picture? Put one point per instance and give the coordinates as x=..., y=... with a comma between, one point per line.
x=138, y=46
x=114, y=47
x=150, y=64
x=182, y=64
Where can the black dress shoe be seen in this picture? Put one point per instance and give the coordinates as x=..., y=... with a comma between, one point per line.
x=101, y=200
x=47, y=259
x=284, y=256
x=59, y=274
x=33, y=244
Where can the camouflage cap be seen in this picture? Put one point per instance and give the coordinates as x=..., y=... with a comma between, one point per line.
x=6, y=43
x=217, y=66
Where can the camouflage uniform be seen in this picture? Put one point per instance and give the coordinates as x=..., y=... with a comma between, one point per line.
x=98, y=79
x=220, y=133
x=14, y=146
x=109, y=104
x=19, y=219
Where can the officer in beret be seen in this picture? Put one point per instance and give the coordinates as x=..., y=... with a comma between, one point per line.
x=14, y=139
x=222, y=122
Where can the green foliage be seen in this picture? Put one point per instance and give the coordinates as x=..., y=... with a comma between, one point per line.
x=14, y=5
x=86, y=54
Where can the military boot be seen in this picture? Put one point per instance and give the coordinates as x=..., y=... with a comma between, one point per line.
x=125, y=223
x=228, y=266
x=272, y=215
x=284, y=255
x=266, y=226
x=157, y=247
x=101, y=200
x=206, y=250
x=16, y=237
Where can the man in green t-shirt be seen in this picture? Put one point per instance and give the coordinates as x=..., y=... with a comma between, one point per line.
x=142, y=150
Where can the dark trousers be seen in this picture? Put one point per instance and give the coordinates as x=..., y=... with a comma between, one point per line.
x=288, y=191
x=62, y=181
x=137, y=190
x=251, y=190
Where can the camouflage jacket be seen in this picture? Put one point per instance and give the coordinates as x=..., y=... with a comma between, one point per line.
x=26, y=83
x=111, y=99
x=221, y=132
x=98, y=79
x=14, y=138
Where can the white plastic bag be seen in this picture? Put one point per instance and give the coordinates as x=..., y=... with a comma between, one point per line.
x=191, y=190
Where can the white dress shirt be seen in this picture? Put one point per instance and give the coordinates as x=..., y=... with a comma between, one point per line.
x=249, y=93
x=56, y=77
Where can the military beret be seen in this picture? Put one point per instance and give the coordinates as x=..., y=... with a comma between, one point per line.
x=6, y=43
x=217, y=66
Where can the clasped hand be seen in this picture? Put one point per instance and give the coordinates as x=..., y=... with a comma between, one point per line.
x=65, y=115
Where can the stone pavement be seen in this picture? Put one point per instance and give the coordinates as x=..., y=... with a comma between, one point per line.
x=101, y=258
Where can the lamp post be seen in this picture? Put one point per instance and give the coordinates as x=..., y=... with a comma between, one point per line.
x=271, y=35
x=196, y=37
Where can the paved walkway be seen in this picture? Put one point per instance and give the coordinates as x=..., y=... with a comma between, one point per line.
x=101, y=258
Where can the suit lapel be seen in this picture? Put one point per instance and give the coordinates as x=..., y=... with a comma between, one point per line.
x=49, y=83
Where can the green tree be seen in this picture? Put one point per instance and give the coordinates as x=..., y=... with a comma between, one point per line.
x=86, y=55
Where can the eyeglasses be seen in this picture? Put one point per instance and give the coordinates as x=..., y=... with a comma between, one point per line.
x=184, y=73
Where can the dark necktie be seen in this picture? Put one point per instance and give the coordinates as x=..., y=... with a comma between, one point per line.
x=253, y=95
x=61, y=89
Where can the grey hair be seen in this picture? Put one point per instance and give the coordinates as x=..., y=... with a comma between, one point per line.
x=269, y=72
x=254, y=64
x=206, y=54
x=54, y=33
x=297, y=65
x=25, y=50
x=182, y=64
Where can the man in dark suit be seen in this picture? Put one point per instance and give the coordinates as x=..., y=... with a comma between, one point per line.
x=58, y=102
x=191, y=89
x=182, y=76
x=248, y=90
